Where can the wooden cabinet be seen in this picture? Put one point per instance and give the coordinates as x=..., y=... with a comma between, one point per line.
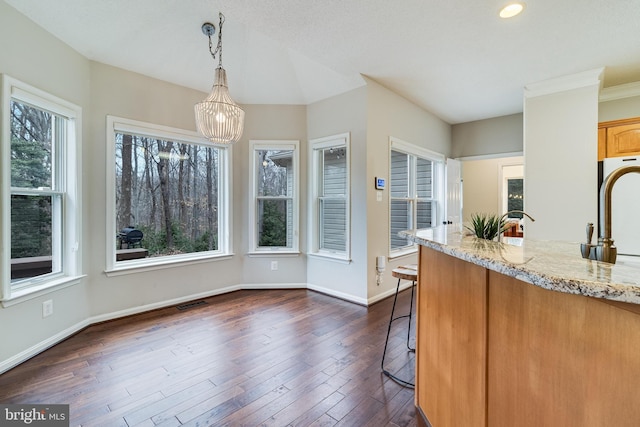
x=451, y=341
x=619, y=138
x=494, y=351
x=557, y=359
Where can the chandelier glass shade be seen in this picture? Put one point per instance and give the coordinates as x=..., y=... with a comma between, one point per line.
x=218, y=117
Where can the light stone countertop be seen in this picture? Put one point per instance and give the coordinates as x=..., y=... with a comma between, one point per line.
x=551, y=265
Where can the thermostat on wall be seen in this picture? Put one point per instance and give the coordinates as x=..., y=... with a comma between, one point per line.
x=380, y=182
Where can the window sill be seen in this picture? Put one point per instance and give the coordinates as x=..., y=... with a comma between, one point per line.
x=270, y=253
x=330, y=257
x=147, y=264
x=31, y=292
x=403, y=253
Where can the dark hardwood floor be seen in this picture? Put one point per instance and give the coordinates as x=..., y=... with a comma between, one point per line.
x=247, y=358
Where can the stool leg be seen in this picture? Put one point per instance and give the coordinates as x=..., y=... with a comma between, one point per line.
x=386, y=341
x=413, y=286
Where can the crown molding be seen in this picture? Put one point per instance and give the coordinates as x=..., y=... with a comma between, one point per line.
x=619, y=92
x=564, y=83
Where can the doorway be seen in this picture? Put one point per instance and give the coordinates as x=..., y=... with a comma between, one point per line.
x=486, y=183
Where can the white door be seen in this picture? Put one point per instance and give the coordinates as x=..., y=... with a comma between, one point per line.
x=453, y=207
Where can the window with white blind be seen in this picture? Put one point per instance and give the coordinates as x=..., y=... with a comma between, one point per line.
x=415, y=195
x=330, y=197
x=273, y=221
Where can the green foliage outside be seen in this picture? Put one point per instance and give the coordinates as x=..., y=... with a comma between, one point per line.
x=274, y=225
x=30, y=167
x=30, y=215
x=30, y=226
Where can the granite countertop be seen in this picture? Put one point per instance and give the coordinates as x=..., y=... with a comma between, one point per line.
x=551, y=265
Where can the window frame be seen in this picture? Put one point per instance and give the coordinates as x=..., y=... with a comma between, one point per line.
x=123, y=125
x=262, y=145
x=317, y=146
x=437, y=199
x=67, y=188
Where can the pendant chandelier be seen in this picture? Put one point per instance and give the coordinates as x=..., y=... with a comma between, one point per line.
x=218, y=117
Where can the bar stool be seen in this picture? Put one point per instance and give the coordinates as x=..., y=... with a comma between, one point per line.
x=408, y=272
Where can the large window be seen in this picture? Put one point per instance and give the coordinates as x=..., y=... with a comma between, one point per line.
x=168, y=200
x=415, y=193
x=330, y=197
x=274, y=177
x=41, y=211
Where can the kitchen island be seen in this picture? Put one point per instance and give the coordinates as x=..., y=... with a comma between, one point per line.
x=524, y=335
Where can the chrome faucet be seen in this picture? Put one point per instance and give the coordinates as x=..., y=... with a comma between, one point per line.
x=510, y=212
x=605, y=249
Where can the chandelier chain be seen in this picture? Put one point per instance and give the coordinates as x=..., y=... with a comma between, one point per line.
x=218, y=50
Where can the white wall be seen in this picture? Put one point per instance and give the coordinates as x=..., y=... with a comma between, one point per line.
x=336, y=115
x=560, y=151
x=33, y=56
x=490, y=136
x=391, y=115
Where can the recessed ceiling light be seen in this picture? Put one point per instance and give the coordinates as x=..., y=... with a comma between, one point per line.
x=511, y=9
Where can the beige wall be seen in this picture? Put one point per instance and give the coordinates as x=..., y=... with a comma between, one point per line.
x=560, y=151
x=134, y=96
x=371, y=114
x=619, y=109
x=336, y=115
x=481, y=183
x=391, y=115
x=25, y=51
x=498, y=135
x=269, y=122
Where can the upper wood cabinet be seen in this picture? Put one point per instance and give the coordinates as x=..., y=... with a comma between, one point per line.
x=619, y=138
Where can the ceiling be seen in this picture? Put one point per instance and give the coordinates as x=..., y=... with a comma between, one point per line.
x=455, y=58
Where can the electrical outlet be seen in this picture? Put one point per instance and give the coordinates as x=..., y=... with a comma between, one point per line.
x=274, y=265
x=47, y=308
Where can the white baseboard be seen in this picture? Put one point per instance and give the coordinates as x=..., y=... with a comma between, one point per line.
x=27, y=354
x=337, y=294
x=15, y=360
x=274, y=286
x=388, y=293
x=162, y=304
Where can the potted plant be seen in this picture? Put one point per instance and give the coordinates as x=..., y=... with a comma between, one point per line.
x=486, y=226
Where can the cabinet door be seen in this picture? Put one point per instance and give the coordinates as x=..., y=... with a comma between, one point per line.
x=623, y=140
x=452, y=340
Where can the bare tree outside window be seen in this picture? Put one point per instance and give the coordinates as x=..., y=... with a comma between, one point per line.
x=169, y=191
x=274, y=197
x=35, y=200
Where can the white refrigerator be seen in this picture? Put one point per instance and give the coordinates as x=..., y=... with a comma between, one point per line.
x=625, y=207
